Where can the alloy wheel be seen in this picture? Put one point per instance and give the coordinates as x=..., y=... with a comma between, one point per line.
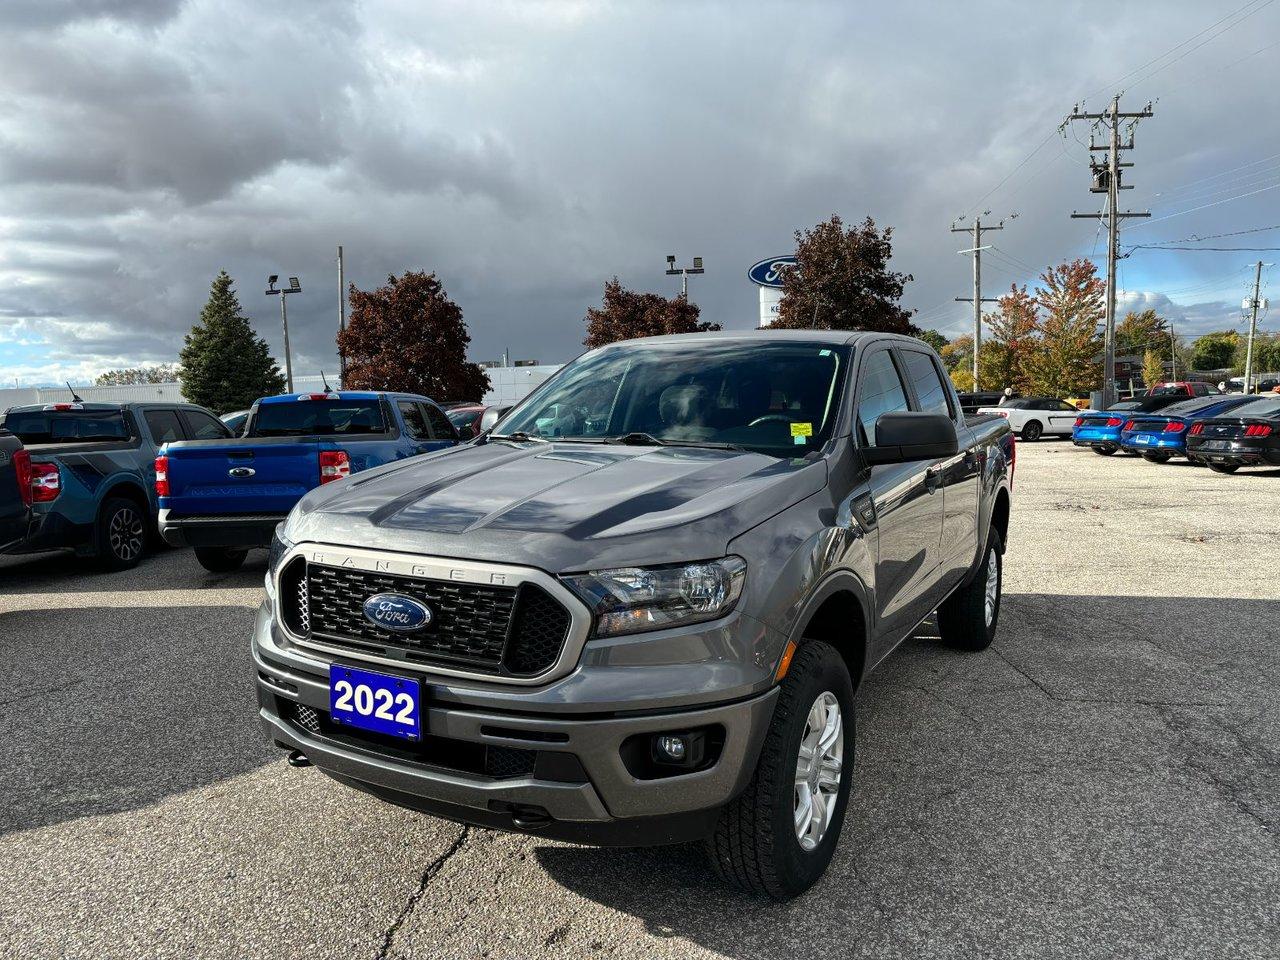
x=126, y=534
x=993, y=587
x=819, y=766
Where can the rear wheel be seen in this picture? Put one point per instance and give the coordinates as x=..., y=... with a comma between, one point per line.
x=967, y=619
x=1156, y=457
x=1104, y=450
x=777, y=837
x=1224, y=467
x=220, y=559
x=1031, y=430
x=121, y=534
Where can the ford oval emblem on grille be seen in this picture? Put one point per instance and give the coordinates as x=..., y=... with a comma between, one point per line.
x=242, y=471
x=392, y=611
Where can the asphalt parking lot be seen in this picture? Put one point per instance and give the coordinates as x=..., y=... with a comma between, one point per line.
x=1103, y=782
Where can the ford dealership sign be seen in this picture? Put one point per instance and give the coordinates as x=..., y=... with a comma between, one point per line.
x=768, y=273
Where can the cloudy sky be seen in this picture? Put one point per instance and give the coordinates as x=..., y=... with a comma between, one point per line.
x=528, y=150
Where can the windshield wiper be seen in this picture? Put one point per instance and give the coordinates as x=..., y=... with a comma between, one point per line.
x=518, y=436
x=649, y=440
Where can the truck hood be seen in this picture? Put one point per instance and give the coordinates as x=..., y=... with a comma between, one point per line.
x=558, y=506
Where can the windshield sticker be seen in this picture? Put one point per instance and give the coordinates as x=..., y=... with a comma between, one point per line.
x=801, y=430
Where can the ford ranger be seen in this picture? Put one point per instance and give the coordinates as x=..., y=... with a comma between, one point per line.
x=225, y=496
x=90, y=469
x=638, y=612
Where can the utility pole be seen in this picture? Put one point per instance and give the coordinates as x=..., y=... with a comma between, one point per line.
x=684, y=272
x=977, y=299
x=342, y=320
x=1253, y=306
x=294, y=287
x=1107, y=180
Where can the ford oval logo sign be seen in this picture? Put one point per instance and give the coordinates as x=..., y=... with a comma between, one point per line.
x=768, y=273
x=391, y=611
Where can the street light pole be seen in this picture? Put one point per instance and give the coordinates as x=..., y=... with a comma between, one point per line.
x=673, y=270
x=294, y=287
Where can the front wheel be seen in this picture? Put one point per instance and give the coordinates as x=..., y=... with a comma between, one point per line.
x=1156, y=457
x=777, y=837
x=1031, y=430
x=121, y=534
x=967, y=619
x=220, y=559
x=1224, y=467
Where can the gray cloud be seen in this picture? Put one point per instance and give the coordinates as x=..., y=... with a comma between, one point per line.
x=528, y=151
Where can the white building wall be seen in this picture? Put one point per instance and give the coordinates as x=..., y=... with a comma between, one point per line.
x=507, y=385
x=131, y=393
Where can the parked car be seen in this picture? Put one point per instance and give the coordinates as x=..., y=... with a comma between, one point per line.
x=638, y=613
x=1249, y=435
x=474, y=419
x=1034, y=417
x=1101, y=429
x=225, y=497
x=1161, y=435
x=15, y=492
x=971, y=402
x=93, y=468
x=492, y=415
x=236, y=421
x=1184, y=388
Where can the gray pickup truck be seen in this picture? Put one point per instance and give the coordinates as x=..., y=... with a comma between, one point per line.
x=640, y=610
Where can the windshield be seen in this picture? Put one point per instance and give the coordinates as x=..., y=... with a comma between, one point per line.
x=772, y=397
x=66, y=426
x=307, y=418
x=464, y=416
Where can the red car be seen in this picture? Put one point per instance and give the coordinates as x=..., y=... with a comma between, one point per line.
x=1182, y=388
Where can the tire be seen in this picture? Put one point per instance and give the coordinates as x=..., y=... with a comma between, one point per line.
x=1105, y=450
x=1156, y=457
x=1224, y=467
x=1032, y=431
x=120, y=534
x=220, y=559
x=756, y=845
x=967, y=619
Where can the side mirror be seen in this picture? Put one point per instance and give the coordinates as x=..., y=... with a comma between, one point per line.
x=489, y=419
x=904, y=437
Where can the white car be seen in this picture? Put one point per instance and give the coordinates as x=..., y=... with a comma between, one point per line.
x=1034, y=417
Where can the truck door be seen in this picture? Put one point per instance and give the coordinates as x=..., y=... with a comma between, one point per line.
x=908, y=503
x=959, y=475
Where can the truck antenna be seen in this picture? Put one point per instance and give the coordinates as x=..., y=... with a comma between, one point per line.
x=75, y=397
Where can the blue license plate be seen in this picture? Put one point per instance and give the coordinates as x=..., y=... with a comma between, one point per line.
x=375, y=701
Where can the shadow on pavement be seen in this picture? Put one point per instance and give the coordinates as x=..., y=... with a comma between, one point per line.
x=162, y=568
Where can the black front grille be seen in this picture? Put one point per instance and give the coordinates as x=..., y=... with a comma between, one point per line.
x=512, y=631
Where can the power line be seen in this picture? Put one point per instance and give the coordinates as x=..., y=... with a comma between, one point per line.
x=1205, y=206
x=1140, y=246
x=1194, y=238
x=977, y=299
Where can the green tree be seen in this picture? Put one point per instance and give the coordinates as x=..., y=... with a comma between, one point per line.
x=626, y=314
x=408, y=336
x=1266, y=354
x=842, y=281
x=225, y=365
x=933, y=338
x=1214, y=351
x=161, y=373
x=1070, y=302
x=1140, y=332
x=1152, y=368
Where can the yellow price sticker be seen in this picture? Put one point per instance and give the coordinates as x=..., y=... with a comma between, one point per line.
x=802, y=429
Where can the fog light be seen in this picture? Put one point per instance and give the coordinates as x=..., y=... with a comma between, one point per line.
x=680, y=749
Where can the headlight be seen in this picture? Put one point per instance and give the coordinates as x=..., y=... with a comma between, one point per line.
x=279, y=547
x=633, y=599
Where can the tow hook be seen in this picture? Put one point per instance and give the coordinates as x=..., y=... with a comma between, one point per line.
x=298, y=759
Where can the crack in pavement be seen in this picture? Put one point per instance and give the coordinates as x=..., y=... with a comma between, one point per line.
x=428, y=875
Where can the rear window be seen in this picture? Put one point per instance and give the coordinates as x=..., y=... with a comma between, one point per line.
x=306, y=418
x=66, y=426
x=1261, y=407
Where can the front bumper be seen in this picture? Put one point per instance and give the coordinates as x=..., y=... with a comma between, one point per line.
x=247, y=530
x=577, y=785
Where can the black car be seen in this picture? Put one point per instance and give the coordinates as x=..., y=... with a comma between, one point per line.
x=970, y=402
x=1249, y=436
x=15, y=491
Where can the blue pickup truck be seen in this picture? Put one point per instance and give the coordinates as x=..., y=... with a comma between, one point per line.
x=87, y=471
x=224, y=497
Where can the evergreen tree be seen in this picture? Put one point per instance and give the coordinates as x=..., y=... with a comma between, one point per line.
x=225, y=365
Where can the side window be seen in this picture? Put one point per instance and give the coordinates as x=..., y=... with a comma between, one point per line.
x=880, y=392
x=441, y=428
x=413, y=421
x=164, y=425
x=928, y=383
x=201, y=426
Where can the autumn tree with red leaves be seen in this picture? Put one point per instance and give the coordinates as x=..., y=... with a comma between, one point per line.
x=1011, y=342
x=408, y=336
x=625, y=314
x=1070, y=306
x=842, y=281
